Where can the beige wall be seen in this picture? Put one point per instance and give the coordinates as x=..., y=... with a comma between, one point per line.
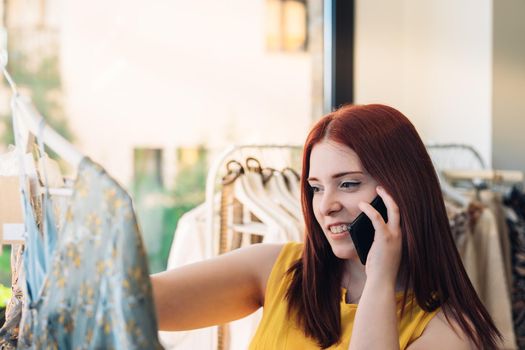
x=433, y=61
x=509, y=85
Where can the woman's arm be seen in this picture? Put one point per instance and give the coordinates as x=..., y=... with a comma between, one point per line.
x=375, y=324
x=214, y=291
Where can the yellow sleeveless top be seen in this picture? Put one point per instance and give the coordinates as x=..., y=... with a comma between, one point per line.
x=277, y=331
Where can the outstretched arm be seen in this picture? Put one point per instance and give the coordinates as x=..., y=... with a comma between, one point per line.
x=214, y=291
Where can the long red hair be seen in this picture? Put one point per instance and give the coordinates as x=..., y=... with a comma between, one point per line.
x=392, y=152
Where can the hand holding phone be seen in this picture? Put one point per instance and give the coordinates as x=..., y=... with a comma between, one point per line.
x=362, y=230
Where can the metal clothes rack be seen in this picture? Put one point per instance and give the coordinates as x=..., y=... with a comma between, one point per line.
x=456, y=152
x=211, y=180
x=463, y=165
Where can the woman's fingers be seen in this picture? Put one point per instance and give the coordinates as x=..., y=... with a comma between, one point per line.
x=393, y=224
x=373, y=215
x=383, y=259
x=392, y=210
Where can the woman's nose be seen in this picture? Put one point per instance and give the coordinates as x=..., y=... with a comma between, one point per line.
x=329, y=204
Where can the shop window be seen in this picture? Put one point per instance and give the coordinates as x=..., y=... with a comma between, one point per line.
x=159, y=208
x=286, y=25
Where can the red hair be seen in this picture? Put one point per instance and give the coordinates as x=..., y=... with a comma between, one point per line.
x=392, y=152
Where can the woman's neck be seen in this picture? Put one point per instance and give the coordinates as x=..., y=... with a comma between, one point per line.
x=354, y=279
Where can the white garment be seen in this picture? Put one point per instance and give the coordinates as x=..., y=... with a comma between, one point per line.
x=9, y=163
x=189, y=246
x=484, y=263
x=189, y=241
x=10, y=166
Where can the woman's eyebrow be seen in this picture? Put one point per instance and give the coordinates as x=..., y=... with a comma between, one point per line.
x=335, y=176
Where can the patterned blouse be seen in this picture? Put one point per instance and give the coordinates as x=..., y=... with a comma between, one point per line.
x=93, y=290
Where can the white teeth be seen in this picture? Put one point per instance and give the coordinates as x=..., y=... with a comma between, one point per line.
x=338, y=228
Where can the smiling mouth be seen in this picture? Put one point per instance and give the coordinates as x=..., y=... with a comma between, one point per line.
x=339, y=228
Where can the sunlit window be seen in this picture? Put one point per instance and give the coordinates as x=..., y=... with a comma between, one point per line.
x=286, y=25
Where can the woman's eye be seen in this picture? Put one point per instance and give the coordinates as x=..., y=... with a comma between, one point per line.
x=349, y=184
x=314, y=188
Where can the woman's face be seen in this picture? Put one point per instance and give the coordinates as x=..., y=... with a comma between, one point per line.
x=339, y=183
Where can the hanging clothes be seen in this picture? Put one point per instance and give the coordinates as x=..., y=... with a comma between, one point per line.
x=476, y=233
x=459, y=221
x=515, y=215
x=10, y=166
x=88, y=284
x=494, y=201
x=188, y=247
x=483, y=261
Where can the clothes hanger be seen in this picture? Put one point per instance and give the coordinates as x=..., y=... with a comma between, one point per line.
x=281, y=182
x=26, y=120
x=277, y=188
x=276, y=181
x=452, y=193
x=293, y=181
x=274, y=184
x=243, y=194
x=29, y=119
x=253, y=186
x=231, y=152
x=255, y=183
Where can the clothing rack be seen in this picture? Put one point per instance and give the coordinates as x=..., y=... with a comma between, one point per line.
x=26, y=119
x=211, y=180
x=461, y=165
x=495, y=176
x=456, y=149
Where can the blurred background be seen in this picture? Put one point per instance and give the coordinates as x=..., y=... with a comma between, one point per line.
x=154, y=90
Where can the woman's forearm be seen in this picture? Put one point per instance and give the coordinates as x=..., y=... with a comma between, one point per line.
x=375, y=324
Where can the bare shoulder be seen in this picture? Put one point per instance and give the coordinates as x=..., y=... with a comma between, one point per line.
x=260, y=258
x=440, y=334
x=263, y=250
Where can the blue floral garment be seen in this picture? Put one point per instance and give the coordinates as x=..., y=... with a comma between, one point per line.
x=96, y=292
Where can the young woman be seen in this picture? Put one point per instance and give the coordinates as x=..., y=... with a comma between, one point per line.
x=413, y=292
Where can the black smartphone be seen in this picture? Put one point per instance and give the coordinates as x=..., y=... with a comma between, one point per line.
x=362, y=231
